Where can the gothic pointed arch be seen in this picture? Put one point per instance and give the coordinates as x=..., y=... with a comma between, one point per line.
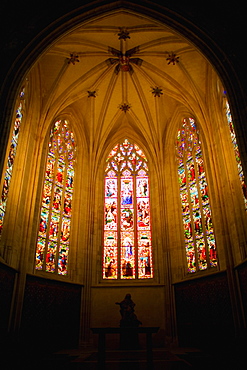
x=127, y=251
x=53, y=242
x=12, y=151
x=199, y=236
x=236, y=152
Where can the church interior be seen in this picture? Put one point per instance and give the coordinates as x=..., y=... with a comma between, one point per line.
x=123, y=171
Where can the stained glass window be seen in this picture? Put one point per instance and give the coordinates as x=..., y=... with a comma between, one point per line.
x=11, y=157
x=236, y=152
x=127, y=250
x=55, y=217
x=199, y=236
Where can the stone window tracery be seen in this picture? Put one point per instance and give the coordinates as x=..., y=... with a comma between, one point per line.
x=198, y=228
x=52, y=250
x=127, y=252
x=11, y=156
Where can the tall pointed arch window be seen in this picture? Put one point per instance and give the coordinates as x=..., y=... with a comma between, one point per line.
x=127, y=252
x=236, y=152
x=11, y=156
x=55, y=216
x=196, y=211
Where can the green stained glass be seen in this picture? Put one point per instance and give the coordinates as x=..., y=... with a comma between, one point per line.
x=52, y=250
x=50, y=264
x=110, y=255
x=191, y=257
x=199, y=237
x=63, y=259
x=11, y=156
x=127, y=251
x=127, y=255
x=40, y=253
x=201, y=254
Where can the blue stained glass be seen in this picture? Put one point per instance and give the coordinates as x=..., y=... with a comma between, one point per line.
x=237, y=155
x=56, y=209
x=11, y=157
x=127, y=252
x=194, y=197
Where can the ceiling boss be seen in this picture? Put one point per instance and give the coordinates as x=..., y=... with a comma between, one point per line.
x=124, y=58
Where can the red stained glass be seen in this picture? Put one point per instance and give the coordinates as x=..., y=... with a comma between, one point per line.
x=236, y=152
x=194, y=196
x=110, y=257
x=127, y=252
x=52, y=251
x=11, y=156
x=127, y=255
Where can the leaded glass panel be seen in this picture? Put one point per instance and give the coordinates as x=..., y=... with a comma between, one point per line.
x=55, y=216
x=11, y=157
x=199, y=237
x=236, y=152
x=127, y=252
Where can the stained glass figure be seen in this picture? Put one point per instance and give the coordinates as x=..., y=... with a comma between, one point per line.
x=53, y=242
x=236, y=152
x=127, y=252
x=199, y=237
x=11, y=156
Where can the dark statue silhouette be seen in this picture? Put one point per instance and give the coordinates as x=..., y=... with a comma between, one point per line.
x=129, y=318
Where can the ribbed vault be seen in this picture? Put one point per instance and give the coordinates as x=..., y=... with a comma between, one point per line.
x=125, y=63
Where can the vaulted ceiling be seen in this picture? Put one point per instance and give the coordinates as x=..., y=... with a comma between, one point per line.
x=125, y=63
